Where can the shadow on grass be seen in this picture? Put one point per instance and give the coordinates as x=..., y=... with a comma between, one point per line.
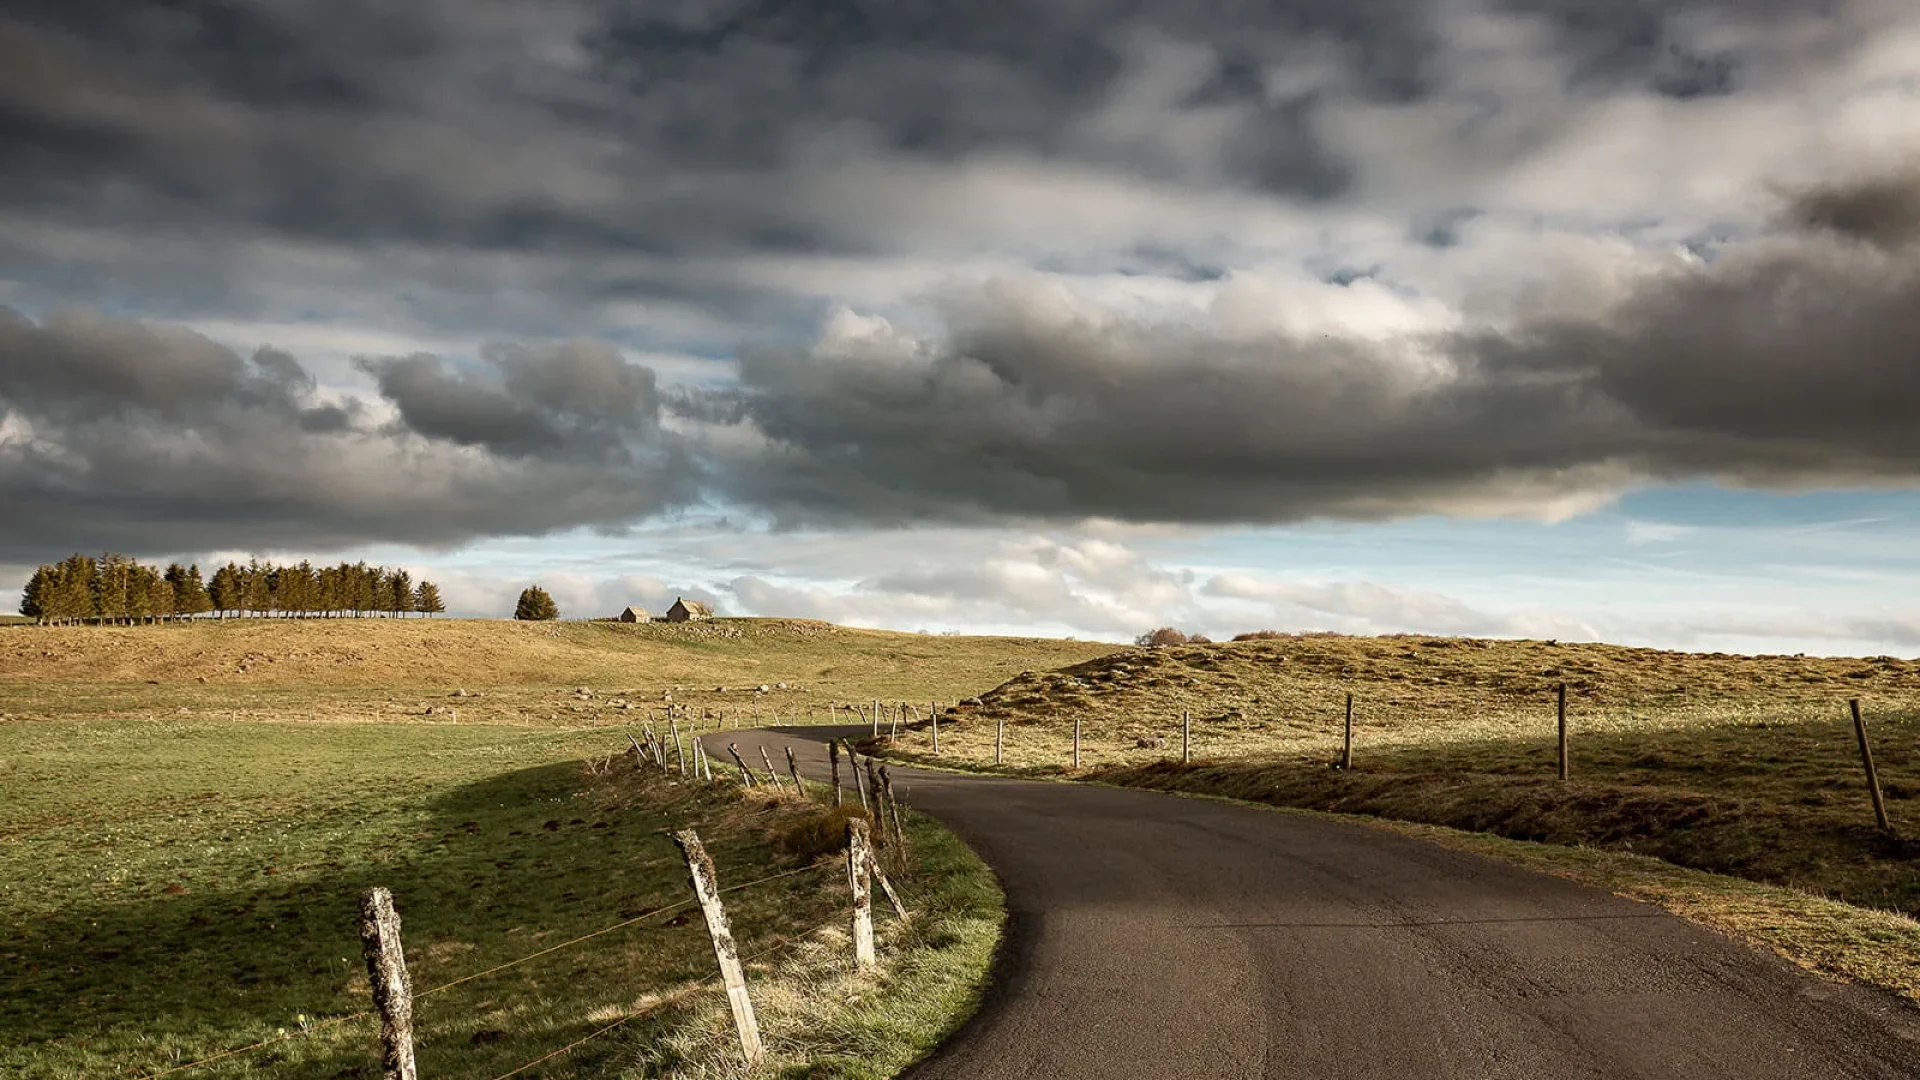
x=486, y=873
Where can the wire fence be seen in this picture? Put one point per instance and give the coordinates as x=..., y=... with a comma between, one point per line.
x=394, y=998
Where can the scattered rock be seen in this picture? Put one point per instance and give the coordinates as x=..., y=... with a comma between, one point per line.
x=779, y=686
x=762, y=689
x=973, y=701
x=462, y=692
x=1152, y=743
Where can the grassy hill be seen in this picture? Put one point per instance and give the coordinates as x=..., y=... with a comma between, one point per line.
x=365, y=669
x=1738, y=765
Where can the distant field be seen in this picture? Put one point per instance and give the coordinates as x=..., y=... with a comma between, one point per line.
x=387, y=669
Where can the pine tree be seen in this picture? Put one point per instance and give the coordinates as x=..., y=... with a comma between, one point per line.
x=36, y=600
x=401, y=584
x=535, y=605
x=224, y=590
x=426, y=599
x=189, y=595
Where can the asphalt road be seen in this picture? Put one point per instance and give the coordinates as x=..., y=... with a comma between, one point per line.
x=1158, y=938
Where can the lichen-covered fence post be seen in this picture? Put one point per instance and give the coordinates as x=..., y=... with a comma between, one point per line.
x=893, y=808
x=773, y=778
x=999, y=739
x=679, y=752
x=859, y=857
x=1076, y=742
x=1186, y=736
x=392, y=989
x=935, y=714
x=706, y=888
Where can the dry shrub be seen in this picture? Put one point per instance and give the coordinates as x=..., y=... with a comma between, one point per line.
x=1166, y=635
x=1260, y=635
x=818, y=831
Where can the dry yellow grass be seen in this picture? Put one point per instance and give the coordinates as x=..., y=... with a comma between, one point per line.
x=363, y=669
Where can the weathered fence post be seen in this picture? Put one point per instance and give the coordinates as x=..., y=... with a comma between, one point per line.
x=1873, y=776
x=746, y=774
x=935, y=714
x=833, y=713
x=893, y=810
x=886, y=886
x=707, y=889
x=793, y=770
x=1346, y=740
x=859, y=856
x=639, y=755
x=1186, y=736
x=1076, y=742
x=833, y=760
x=876, y=718
x=879, y=797
x=859, y=786
x=1560, y=706
x=772, y=777
x=392, y=990
x=679, y=753
x=999, y=739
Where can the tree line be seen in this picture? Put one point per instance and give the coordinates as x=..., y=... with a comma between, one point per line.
x=117, y=589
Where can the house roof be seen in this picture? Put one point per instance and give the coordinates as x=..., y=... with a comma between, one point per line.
x=694, y=607
x=633, y=608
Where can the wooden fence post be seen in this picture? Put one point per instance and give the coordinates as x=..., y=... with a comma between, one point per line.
x=1076, y=742
x=793, y=770
x=893, y=809
x=772, y=777
x=1873, y=776
x=935, y=714
x=879, y=797
x=746, y=774
x=876, y=718
x=1186, y=736
x=886, y=886
x=639, y=755
x=833, y=759
x=679, y=753
x=859, y=786
x=859, y=855
x=1346, y=741
x=392, y=990
x=707, y=889
x=999, y=739
x=1560, y=706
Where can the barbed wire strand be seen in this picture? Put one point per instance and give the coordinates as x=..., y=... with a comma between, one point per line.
x=690, y=988
x=310, y=1029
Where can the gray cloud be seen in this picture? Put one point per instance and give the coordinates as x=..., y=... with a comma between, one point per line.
x=1786, y=362
x=118, y=434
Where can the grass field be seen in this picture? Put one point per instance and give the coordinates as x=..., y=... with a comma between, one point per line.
x=525, y=673
x=185, y=857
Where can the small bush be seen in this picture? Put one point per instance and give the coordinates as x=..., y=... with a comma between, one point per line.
x=1260, y=635
x=1166, y=635
x=1199, y=639
x=818, y=832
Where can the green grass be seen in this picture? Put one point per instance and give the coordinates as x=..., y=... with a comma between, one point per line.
x=175, y=888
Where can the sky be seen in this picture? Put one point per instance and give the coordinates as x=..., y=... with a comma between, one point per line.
x=1575, y=319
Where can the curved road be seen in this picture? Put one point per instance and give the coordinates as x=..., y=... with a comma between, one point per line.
x=1153, y=937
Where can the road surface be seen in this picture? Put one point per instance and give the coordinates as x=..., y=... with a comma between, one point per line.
x=1152, y=937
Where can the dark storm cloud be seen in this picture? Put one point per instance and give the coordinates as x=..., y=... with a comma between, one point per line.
x=123, y=435
x=1785, y=362
x=593, y=126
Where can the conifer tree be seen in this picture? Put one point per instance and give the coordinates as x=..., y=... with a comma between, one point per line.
x=535, y=605
x=189, y=595
x=36, y=599
x=427, y=600
x=401, y=584
x=224, y=590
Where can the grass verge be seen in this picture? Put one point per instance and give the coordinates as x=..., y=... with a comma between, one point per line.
x=174, y=889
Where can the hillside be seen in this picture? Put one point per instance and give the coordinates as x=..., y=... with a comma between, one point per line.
x=366, y=668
